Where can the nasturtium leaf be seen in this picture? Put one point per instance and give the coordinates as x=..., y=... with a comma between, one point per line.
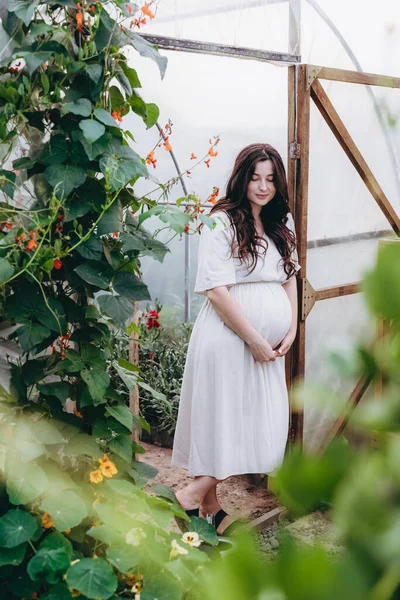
x=80, y=444
x=65, y=178
x=104, y=117
x=93, y=578
x=123, y=414
x=130, y=286
x=46, y=432
x=55, y=152
x=95, y=272
x=153, y=112
x=82, y=107
x=6, y=270
x=162, y=587
x=67, y=509
x=124, y=557
x=120, y=164
x=97, y=382
x=8, y=182
x=92, y=249
x=52, y=558
x=16, y=527
x=31, y=335
x=92, y=130
x=106, y=534
x=12, y=556
x=57, y=592
x=94, y=71
x=205, y=530
x=385, y=276
x=145, y=470
x=25, y=482
x=164, y=492
x=148, y=50
x=120, y=309
x=24, y=9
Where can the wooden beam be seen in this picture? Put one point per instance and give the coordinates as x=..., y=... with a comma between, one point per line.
x=339, y=130
x=356, y=77
x=341, y=422
x=267, y=519
x=337, y=290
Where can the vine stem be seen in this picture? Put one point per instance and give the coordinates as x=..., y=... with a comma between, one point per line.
x=45, y=299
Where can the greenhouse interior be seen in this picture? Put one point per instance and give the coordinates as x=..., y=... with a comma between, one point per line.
x=164, y=434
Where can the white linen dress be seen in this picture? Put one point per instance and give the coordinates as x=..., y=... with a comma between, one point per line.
x=233, y=414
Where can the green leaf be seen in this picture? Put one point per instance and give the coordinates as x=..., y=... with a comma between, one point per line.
x=164, y=492
x=55, y=152
x=116, y=98
x=125, y=364
x=382, y=285
x=6, y=270
x=123, y=414
x=153, y=112
x=80, y=444
x=8, y=187
x=34, y=60
x=92, y=249
x=118, y=308
x=98, y=147
x=96, y=273
x=67, y=509
x=131, y=75
x=25, y=482
x=120, y=164
x=97, y=382
x=111, y=222
x=94, y=71
x=53, y=556
x=147, y=50
x=106, y=534
x=65, y=178
x=23, y=163
x=60, y=389
x=162, y=587
x=175, y=218
x=24, y=9
x=12, y=556
x=93, y=578
x=92, y=130
x=46, y=432
x=123, y=447
x=153, y=392
x=124, y=557
x=130, y=286
x=104, y=117
x=82, y=107
x=57, y=592
x=138, y=106
x=31, y=335
x=16, y=527
x=205, y=530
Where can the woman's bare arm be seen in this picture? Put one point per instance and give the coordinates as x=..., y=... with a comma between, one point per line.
x=290, y=288
x=232, y=315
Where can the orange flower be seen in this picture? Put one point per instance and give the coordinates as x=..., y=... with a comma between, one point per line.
x=146, y=11
x=129, y=8
x=207, y=162
x=67, y=531
x=6, y=225
x=214, y=195
x=47, y=521
x=77, y=413
x=96, y=476
x=31, y=245
x=79, y=21
x=212, y=152
x=150, y=160
x=116, y=115
x=57, y=264
x=167, y=145
x=192, y=156
x=107, y=467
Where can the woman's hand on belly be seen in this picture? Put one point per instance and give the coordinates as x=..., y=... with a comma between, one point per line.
x=262, y=350
x=284, y=347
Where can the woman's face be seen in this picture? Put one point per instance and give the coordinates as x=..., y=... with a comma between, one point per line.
x=261, y=188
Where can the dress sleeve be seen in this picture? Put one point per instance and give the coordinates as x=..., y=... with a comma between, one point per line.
x=215, y=262
x=294, y=255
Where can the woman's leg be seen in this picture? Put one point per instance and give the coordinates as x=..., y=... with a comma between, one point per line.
x=192, y=495
x=210, y=504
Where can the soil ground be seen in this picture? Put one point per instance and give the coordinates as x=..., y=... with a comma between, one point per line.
x=243, y=496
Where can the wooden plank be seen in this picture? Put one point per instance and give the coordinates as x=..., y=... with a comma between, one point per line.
x=337, y=290
x=301, y=217
x=356, y=77
x=267, y=519
x=184, y=45
x=339, y=130
x=341, y=422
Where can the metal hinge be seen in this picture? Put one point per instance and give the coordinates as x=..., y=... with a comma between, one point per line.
x=295, y=150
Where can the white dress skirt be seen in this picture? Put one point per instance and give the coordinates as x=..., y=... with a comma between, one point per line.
x=233, y=414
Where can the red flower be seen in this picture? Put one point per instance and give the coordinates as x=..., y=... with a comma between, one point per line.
x=154, y=313
x=57, y=264
x=186, y=228
x=151, y=355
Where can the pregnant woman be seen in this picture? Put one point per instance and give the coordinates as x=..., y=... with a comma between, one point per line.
x=234, y=414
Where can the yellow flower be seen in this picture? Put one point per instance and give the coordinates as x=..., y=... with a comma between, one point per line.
x=74, y=593
x=108, y=469
x=177, y=549
x=134, y=536
x=67, y=531
x=47, y=521
x=191, y=538
x=96, y=476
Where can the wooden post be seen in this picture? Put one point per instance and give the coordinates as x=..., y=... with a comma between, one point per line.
x=134, y=359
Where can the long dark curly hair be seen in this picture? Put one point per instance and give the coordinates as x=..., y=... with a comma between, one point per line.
x=273, y=215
